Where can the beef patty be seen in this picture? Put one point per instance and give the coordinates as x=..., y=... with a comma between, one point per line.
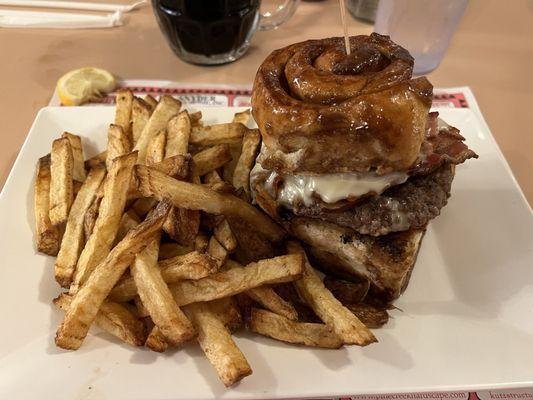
x=409, y=205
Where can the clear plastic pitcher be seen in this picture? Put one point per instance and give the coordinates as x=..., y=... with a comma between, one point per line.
x=424, y=27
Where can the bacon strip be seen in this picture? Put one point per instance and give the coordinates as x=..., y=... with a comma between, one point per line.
x=444, y=145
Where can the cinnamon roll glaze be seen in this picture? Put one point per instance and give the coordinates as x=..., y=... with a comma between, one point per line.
x=320, y=111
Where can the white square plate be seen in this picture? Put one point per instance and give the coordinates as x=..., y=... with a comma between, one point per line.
x=467, y=320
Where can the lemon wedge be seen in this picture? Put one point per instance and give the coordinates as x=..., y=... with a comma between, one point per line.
x=84, y=84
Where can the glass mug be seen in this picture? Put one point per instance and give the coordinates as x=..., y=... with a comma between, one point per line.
x=211, y=32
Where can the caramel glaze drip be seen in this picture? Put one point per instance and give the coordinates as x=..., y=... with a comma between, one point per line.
x=339, y=113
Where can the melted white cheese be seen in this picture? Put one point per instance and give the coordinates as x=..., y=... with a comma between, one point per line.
x=331, y=188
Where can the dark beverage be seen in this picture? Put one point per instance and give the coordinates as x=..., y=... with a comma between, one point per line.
x=208, y=31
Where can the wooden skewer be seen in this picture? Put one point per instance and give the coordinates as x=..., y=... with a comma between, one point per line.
x=345, y=27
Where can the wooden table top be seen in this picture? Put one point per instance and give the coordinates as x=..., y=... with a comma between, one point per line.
x=492, y=52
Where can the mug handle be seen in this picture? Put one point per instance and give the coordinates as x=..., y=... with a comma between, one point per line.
x=270, y=20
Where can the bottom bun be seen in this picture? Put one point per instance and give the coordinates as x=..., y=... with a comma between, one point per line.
x=386, y=261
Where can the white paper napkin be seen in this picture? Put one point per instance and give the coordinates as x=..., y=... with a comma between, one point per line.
x=34, y=19
x=72, y=5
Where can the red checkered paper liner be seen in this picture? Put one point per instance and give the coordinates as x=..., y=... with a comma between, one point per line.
x=239, y=95
x=516, y=394
x=196, y=95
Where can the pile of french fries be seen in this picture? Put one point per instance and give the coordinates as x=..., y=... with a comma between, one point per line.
x=158, y=244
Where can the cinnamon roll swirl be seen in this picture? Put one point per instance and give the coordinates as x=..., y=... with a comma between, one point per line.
x=322, y=111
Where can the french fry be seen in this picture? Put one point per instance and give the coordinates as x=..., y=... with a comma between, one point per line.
x=128, y=221
x=277, y=327
x=157, y=298
x=201, y=242
x=141, y=310
x=192, y=266
x=155, y=152
x=108, y=221
x=61, y=185
x=209, y=221
x=345, y=324
x=78, y=167
x=228, y=310
x=216, y=342
x=113, y=318
x=178, y=166
x=117, y=320
x=96, y=161
x=214, y=181
x=195, y=178
x=217, y=134
x=182, y=225
x=167, y=108
x=76, y=186
x=237, y=280
x=133, y=194
x=156, y=341
x=123, y=111
x=252, y=246
x=229, y=167
x=288, y=292
x=143, y=206
x=118, y=143
x=178, y=133
x=250, y=148
x=91, y=215
x=217, y=251
x=89, y=298
x=347, y=292
x=47, y=236
x=153, y=183
x=72, y=242
x=212, y=177
x=242, y=117
x=268, y=298
x=171, y=249
x=140, y=114
x=211, y=158
x=265, y=200
x=222, y=187
x=151, y=101
x=195, y=118
x=225, y=236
